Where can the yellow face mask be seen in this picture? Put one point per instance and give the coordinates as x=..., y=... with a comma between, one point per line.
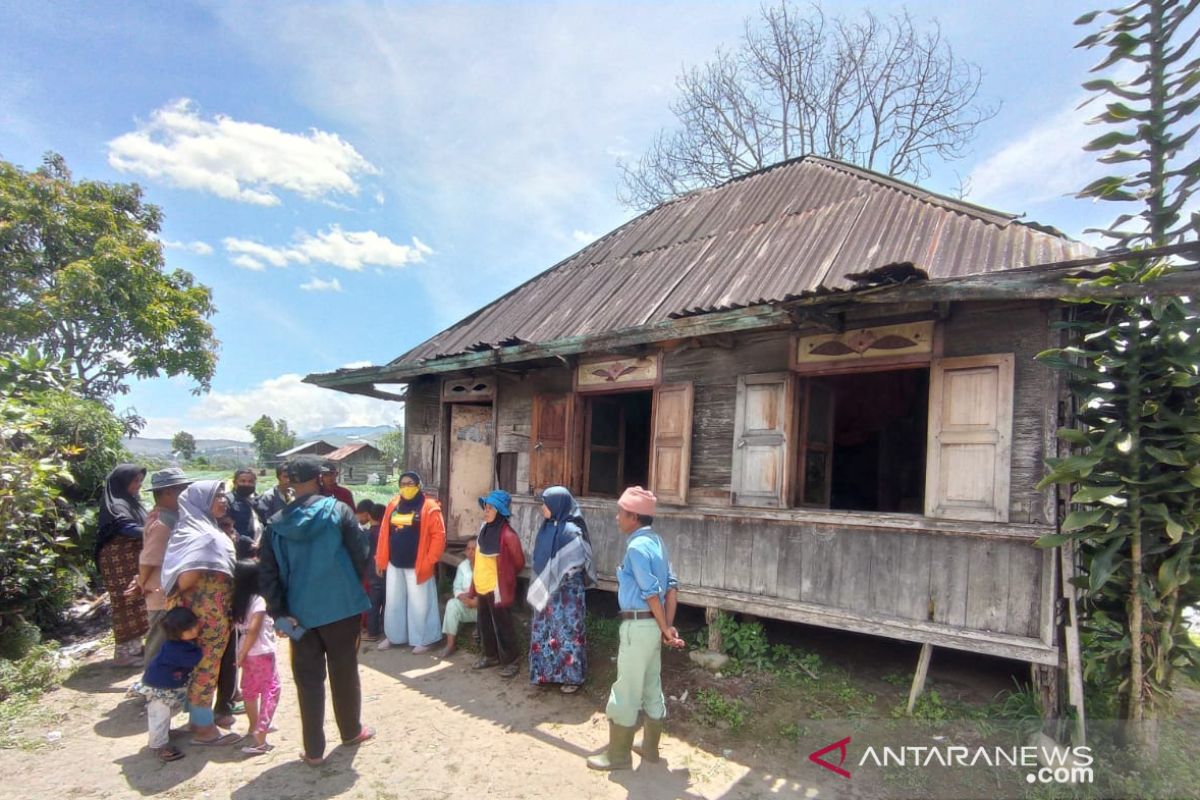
x=409, y=492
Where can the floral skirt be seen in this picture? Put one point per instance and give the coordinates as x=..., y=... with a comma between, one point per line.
x=558, y=637
x=118, y=566
x=210, y=601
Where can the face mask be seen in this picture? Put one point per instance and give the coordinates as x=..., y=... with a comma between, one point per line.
x=243, y=491
x=409, y=492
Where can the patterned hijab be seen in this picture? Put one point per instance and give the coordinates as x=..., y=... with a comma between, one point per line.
x=197, y=543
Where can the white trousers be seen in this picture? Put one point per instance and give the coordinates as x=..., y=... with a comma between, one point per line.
x=410, y=610
x=158, y=719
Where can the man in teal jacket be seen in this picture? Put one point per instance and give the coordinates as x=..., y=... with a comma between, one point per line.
x=313, y=556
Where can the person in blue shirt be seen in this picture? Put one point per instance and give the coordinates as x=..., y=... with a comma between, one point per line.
x=165, y=682
x=646, y=592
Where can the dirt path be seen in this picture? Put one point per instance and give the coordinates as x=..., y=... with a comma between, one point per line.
x=445, y=732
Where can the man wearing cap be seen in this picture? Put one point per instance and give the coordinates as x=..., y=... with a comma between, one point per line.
x=330, y=486
x=313, y=557
x=166, y=485
x=646, y=592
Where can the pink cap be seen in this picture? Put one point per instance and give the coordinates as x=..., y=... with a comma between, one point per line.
x=638, y=501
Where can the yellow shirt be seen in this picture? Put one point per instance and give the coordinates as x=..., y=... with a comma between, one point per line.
x=486, y=576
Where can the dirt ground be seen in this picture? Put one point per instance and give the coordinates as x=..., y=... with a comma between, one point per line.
x=445, y=731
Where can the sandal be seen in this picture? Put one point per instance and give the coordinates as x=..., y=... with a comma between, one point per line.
x=509, y=670
x=258, y=749
x=312, y=762
x=569, y=688
x=366, y=734
x=484, y=663
x=224, y=739
x=168, y=754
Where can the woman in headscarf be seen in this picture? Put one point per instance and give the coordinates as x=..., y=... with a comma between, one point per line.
x=412, y=538
x=118, y=547
x=562, y=568
x=498, y=560
x=197, y=573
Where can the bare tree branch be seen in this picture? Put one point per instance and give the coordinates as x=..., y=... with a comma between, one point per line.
x=877, y=92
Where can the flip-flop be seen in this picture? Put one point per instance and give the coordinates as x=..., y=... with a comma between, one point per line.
x=220, y=741
x=570, y=688
x=168, y=754
x=484, y=663
x=258, y=749
x=509, y=670
x=367, y=733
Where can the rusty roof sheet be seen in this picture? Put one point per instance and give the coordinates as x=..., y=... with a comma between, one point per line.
x=789, y=230
x=347, y=450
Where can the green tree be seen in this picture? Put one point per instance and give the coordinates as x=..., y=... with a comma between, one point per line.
x=184, y=444
x=1134, y=367
x=83, y=278
x=271, y=437
x=391, y=444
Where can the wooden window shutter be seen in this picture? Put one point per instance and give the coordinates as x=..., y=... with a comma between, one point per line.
x=549, y=457
x=970, y=438
x=760, y=439
x=671, y=455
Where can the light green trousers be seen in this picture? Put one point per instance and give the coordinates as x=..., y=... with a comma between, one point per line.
x=639, y=674
x=456, y=615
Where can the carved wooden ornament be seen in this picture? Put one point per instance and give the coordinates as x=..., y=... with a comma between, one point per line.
x=611, y=373
x=863, y=344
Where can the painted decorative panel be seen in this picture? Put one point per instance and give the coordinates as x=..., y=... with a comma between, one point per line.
x=863, y=344
x=613, y=373
x=465, y=390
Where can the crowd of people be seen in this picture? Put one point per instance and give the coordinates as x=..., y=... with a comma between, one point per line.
x=205, y=584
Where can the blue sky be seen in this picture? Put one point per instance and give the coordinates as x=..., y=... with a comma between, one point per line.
x=352, y=178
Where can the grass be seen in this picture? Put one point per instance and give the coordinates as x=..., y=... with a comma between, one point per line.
x=22, y=684
x=379, y=494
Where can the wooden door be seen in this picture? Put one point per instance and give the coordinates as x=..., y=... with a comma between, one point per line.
x=814, y=464
x=760, y=440
x=970, y=438
x=549, y=458
x=671, y=451
x=471, y=434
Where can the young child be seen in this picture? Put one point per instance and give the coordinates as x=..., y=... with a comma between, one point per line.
x=256, y=656
x=370, y=517
x=166, y=678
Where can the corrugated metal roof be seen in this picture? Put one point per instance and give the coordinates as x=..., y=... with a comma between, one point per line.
x=789, y=230
x=348, y=450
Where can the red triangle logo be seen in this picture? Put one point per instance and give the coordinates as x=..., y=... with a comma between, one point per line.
x=816, y=757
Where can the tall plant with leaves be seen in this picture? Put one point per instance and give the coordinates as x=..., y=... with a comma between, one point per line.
x=1133, y=366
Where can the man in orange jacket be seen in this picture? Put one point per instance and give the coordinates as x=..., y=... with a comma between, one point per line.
x=412, y=538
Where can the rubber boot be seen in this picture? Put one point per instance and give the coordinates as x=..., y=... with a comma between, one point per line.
x=651, y=733
x=617, y=755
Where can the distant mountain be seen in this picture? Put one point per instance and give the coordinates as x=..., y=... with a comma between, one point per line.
x=346, y=435
x=162, y=447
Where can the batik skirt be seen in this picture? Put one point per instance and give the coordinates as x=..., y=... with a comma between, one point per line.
x=210, y=601
x=558, y=636
x=118, y=567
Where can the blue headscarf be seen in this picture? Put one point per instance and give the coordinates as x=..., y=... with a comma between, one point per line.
x=565, y=523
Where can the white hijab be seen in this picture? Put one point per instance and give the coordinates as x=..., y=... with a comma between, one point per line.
x=197, y=543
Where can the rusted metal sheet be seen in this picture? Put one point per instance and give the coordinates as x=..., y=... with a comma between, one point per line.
x=794, y=229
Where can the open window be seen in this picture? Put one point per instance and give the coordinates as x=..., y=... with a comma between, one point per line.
x=616, y=442
x=862, y=441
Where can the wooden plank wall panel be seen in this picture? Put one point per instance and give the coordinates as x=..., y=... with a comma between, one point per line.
x=716, y=539
x=985, y=328
x=1024, y=590
x=887, y=565
x=739, y=555
x=987, y=585
x=686, y=545
x=853, y=588
x=791, y=545
x=818, y=565
x=913, y=579
x=764, y=572
x=713, y=371
x=514, y=415
x=949, y=560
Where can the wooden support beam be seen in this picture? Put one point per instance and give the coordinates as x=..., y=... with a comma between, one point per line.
x=711, y=614
x=918, y=684
x=1071, y=645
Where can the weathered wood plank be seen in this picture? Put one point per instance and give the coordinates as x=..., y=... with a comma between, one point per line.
x=853, y=587
x=764, y=573
x=687, y=553
x=818, y=566
x=790, y=559
x=948, y=576
x=716, y=539
x=987, y=586
x=1024, y=590
x=739, y=557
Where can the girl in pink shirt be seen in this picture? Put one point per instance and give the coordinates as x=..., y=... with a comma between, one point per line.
x=256, y=656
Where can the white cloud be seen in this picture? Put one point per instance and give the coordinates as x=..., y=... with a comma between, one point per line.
x=350, y=250
x=236, y=160
x=199, y=248
x=304, y=406
x=318, y=285
x=583, y=237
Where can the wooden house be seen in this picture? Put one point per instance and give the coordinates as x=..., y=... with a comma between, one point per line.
x=356, y=462
x=826, y=375
x=318, y=448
